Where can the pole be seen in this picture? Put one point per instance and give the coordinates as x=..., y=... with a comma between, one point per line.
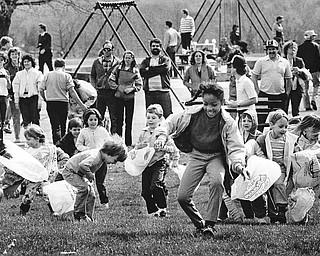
x=154, y=35
x=195, y=17
x=262, y=15
x=258, y=19
x=112, y=27
x=117, y=28
x=207, y=13
x=78, y=35
x=251, y=21
x=214, y=12
x=220, y=9
x=239, y=17
x=134, y=32
x=88, y=50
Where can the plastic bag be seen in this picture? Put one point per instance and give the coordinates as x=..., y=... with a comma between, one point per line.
x=138, y=160
x=61, y=196
x=263, y=172
x=24, y=164
x=85, y=91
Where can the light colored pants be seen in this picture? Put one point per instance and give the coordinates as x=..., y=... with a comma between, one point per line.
x=199, y=164
x=85, y=197
x=315, y=82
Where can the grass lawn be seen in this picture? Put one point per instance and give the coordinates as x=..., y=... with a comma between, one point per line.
x=126, y=228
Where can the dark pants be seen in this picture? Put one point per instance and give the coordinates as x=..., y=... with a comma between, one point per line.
x=153, y=186
x=295, y=98
x=283, y=97
x=45, y=58
x=100, y=176
x=243, y=46
x=29, y=110
x=171, y=51
x=162, y=98
x=3, y=108
x=106, y=99
x=186, y=40
x=125, y=107
x=58, y=113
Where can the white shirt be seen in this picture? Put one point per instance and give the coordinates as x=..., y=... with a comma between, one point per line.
x=26, y=83
x=245, y=91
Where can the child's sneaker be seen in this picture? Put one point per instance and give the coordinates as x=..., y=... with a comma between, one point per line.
x=208, y=231
x=163, y=212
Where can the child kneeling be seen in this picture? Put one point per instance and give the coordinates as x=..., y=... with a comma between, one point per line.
x=80, y=169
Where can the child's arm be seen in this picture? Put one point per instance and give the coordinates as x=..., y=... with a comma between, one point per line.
x=80, y=144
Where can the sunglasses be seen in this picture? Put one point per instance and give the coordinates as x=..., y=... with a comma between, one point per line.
x=107, y=49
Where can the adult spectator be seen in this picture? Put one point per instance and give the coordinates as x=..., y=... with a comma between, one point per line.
x=235, y=39
x=4, y=86
x=156, y=83
x=126, y=80
x=224, y=51
x=187, y=29
x=45, y=49
x=297, y=65
x=276, y=82
x=55, y=90
x=170, y=43
x=277, y=30
x=6, y=43
x=309, y=52
x=199, y=73
x=13, y=66
x=25, y=88
x=100, y=72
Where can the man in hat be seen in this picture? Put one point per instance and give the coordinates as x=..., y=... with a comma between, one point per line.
x=155, y=71
x=276, y=82
x=309, y=52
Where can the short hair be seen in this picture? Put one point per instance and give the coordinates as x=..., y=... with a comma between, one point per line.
x=3, y=55
x=30, y=58
x=169, y=23
x=155, y=40
x=5, y=39
x=12, y=50
x=287, y=45
x=277, y=115
x=36, y=132
x=59, y=63
x=213, y=89
x=133, y=63
x=115, y=147
x=74, y=122
x=155, y=109
x=185, y=11
x=193, y=60
x=43, y=26
x=280, y=17
x=234, y=27
x=91, y=111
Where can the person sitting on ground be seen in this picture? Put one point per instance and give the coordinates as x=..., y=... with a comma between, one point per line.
x=210, y=151
x=80, y=169
x=224, y=51
x=199, y=73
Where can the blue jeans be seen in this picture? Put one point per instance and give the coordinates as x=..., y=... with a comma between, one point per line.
x=85, y=197
x=200, y=164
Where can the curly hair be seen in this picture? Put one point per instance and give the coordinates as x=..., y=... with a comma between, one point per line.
x=213, y=89
x=192, y=59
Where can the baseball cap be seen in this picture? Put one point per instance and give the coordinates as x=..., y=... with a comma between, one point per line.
x=272, y=43
x=309, y=33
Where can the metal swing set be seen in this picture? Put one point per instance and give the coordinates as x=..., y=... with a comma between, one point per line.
x=107, y=9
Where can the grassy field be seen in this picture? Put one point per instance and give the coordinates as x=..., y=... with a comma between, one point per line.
x=126, y=228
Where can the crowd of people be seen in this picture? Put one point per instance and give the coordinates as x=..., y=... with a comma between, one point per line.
x=83, y=147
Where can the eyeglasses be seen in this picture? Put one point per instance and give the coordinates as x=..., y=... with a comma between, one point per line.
x=107, y=49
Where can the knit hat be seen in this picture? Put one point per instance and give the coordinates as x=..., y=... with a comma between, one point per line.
x=309, y=33
x=238, y=62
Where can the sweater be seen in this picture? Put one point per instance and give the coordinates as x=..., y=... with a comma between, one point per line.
x=90, y=139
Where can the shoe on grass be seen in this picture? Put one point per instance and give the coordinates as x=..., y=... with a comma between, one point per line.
x=262, y=221
x=207, y=231
x=163, y=212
